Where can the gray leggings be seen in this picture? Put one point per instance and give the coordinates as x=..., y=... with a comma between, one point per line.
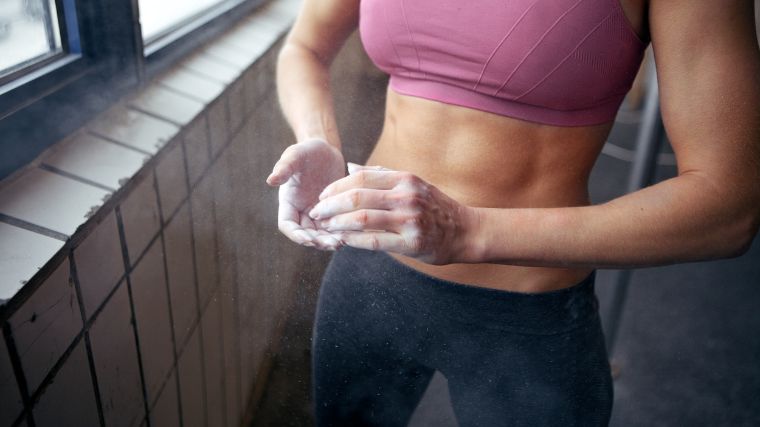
x=511, y=359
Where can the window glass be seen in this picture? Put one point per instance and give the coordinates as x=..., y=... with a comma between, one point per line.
x=28, y=33
x=158, y=17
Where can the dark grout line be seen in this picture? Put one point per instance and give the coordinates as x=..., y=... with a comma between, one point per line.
x=70, y=175
x=190, y=96
x=26, y=225
x=200, y=73
x=217, y=291
x=195, y=281
x=18, y=370
x=88, y=346
x=133, y=320
x=159, y=117
x=122, y=144
x=169, y=300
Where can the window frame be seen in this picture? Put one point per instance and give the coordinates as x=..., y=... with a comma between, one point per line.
x=99, y=65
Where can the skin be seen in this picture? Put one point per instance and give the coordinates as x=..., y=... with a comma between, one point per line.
x=474, y=197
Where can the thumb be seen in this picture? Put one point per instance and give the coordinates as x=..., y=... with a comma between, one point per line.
x=291, y=161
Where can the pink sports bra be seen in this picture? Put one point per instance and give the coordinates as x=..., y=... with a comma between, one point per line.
x=558, y=62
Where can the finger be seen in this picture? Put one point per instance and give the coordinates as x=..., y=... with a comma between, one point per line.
x=285, y=167
x=353, y=167
x=295, y=232
x=366, y=178
x=328, y=242
x=375, y=241
x=352, y=200
x=323, y=240
x=364, y=219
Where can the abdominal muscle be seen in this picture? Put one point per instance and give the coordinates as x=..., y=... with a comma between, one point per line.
x=482, y=159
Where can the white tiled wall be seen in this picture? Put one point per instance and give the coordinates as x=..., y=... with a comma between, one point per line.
x=12, y=406
x=99, y=263
x=70, y=399
x=139, y=212
x=214, y=363
x=181, y=274
x=23, y=253
x=204, y=237
x=95, y=159
x=98, y=361
x=191, y=382
x=151, y=304
x=30, y=197
x=135, y=129
x=172, y=183
x=197, y=149
x=116, y=362
x=46, y=325
x=166, y=410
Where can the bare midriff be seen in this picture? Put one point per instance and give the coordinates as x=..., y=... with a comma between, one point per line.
x=482, y=159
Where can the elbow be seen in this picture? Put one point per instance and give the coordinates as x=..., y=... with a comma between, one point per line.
x=738, y=236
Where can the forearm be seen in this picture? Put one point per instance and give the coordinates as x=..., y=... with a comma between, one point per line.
x=303, y=88
x=678, y=220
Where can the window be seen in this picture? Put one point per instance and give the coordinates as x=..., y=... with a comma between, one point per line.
x=63, y=61
x=158, y=18
x=29, y=33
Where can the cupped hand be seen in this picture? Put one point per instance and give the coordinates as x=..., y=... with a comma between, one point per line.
x=303, y=171
x=380, y=209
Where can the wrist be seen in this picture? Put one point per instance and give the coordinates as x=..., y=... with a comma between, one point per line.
x=473, y=241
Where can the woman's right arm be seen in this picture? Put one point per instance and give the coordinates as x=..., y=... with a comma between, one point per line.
x=303, y=87
x=303, y=81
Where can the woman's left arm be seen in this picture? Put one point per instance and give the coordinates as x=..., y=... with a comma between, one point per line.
x=708, y=68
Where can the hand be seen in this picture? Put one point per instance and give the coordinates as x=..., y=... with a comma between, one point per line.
x=303, y=171
x=381, y=209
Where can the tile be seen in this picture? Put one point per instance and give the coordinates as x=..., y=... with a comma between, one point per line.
x=236, y=100
x=191, y=383
x=46, y=325
x=229, y=55
x=139, y=213
x=59, y=405
x=260, y=82
x=191, y=84
x=22, y=254
x=95, y=159
x=134, y=128
x=50, y=200
x=116, y=366
x=167, y=104
x=151, y=304
x=218, y=125
x=204, y=239
x=202, y=64
x=166, y=410
x=12, y=404
x=196, y=148
x=181, y=273
x=172, y=182
x=266, y=22
x=100, y=263
x=251, y=43
x=214, y=366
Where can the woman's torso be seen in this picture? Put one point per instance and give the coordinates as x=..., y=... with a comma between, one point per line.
x=485, y=159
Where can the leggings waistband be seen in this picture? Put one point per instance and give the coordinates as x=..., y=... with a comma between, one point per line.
x=544, y=313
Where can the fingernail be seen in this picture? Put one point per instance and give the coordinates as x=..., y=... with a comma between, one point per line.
x=314, y=213
x=352, y=167
x=324, y=193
